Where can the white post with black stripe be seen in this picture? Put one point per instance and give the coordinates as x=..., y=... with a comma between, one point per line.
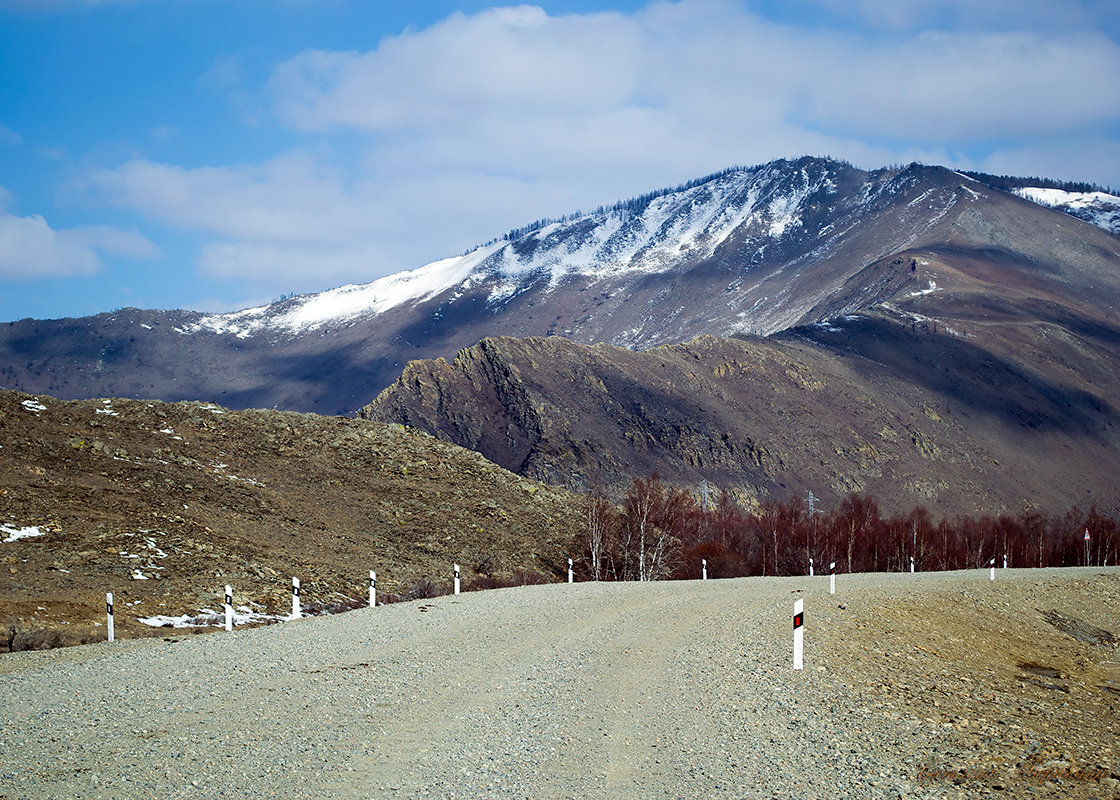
x=109, y=614
x=372, y=588
x=295, y=598
x=703, y=569
x=1005, y=560
x=832, y=578
x=229, y=608
x=571, y=572
x=810, y=567
x=911, y=565
x=991, y=569
x=456, y=579
x=798, y=634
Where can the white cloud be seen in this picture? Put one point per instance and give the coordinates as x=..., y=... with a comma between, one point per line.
x=483, y=122
x=700, y=65
x=264, y=262
x=294, y=222
x=939, y=87
x=30, y=248
x=289, y=199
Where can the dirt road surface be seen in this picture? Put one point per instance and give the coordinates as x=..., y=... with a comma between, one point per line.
x=935, y=685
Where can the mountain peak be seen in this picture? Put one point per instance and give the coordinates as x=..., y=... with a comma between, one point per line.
x=746, y=251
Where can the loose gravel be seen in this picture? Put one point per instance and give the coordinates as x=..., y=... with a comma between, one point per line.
x=658, y=690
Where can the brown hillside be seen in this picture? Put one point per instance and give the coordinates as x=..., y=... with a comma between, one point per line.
x=192, y=497
x=881, y=404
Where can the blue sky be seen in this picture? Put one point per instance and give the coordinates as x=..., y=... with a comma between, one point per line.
x=216, y=154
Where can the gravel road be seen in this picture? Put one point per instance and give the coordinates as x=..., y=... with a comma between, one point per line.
x=660, y=690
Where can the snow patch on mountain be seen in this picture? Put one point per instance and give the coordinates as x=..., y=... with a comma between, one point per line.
x=756, y=207
x=311, y=312
x=1099, y=208
x=670, y=230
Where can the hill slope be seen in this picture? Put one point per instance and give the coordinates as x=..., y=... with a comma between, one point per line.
x=1012, y=417
x=164, y=504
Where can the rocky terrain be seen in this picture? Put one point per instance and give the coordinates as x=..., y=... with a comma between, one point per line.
x=961, y=425
x=164, y=504
x=747, y=251
x=935, y=685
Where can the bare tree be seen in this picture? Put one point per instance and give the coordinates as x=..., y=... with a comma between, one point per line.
x=599, y=519
x=647, y=544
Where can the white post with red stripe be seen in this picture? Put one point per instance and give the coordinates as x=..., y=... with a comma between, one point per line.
x=798, y=634
x=832, y=578
x=456, y=579
x=295, y=598
x=109, y=614
x=229, y=608
x=372, y=588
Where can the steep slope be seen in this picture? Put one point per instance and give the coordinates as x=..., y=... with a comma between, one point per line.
x=977, y=383
x=164, y=504
x=747, y=251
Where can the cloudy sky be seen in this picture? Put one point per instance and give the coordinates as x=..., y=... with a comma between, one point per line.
x=216, y=154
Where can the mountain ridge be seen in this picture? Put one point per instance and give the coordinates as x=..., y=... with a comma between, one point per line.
x=746, y=251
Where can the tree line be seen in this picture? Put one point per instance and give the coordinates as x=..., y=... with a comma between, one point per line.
x=1009, y=182
x=662, y=532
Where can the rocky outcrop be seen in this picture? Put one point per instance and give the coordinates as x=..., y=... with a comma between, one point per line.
x=876, y=404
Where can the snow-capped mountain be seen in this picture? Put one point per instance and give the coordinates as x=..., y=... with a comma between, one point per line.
x=756, y=217
x=748, y=251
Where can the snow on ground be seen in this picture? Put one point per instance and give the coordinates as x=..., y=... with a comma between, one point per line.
x=150, y=551
x=209, y=618
x=1099, y=208
x=34, y=406
x=14, y=534
x=933, y=287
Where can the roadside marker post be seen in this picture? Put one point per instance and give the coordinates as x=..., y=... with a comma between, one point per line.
x=571, y=573
x=798, y=634
x=229, y=608
x=109, y=614
x=456, y=579
x=991, y=569
x=295, y=598
x=1005, y=560
x=911, y=565
x=703, y=569
x=372, y=588
x=832, y=578
x=1087, y=547
x=810, y=567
